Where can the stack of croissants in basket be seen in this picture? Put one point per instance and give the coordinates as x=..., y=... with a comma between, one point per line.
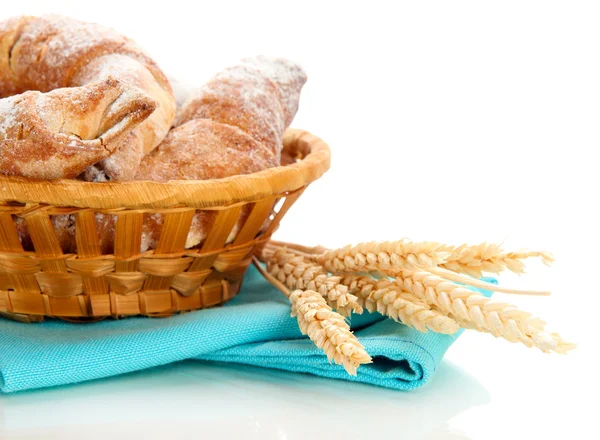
x=80, y=101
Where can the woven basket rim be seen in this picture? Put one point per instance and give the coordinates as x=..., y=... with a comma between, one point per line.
x=186, y=193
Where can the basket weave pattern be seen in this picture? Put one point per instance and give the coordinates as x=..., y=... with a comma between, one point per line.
x=160, y=282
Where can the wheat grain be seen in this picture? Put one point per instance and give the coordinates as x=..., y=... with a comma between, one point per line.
x=389, y=257
x=488, y=258
x=388, y=299
x=328, y=330
x=473, y=310
x=297, y=273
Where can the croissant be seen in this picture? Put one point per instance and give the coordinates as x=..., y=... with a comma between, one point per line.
x=60, y=133
x=55, y=52
x=202, y=149
x=232, y=125
x=260, y=96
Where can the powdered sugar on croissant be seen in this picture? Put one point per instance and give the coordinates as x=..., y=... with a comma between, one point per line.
x=53, y=52
x=58, y=134
x=202, y=149
x=260, y=96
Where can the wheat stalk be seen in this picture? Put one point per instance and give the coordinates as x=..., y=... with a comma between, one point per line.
x=383, y=296
x=328, y=330
x=489, y=258
x=389, y=257
x=473, y=310
x=389, y=299
x=474, y=282
x=425, y=293
x=297, y=273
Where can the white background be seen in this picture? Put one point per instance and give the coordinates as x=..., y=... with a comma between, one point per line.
x=449, y=121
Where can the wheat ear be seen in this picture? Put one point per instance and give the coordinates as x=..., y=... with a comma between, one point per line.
x=328, y=330
x=388, y=257
x=489, y=258
x=389, y=299
x=297, y=273
x=473, y=310
x=392, y=257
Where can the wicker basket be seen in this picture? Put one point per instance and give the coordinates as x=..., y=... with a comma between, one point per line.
x=160, y=282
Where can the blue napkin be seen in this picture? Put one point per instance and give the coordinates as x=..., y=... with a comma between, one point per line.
x=254, y=328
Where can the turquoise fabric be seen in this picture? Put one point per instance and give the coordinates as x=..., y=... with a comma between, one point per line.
x=255, y=328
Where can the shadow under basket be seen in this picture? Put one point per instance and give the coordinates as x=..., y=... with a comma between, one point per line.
x=89, y=285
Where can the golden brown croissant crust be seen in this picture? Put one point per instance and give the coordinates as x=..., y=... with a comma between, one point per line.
x=203, y=149
x=54, y=53
x=260, y=96
x=58, y=134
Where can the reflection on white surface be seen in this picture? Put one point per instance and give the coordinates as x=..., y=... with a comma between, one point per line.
x=193, y=399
